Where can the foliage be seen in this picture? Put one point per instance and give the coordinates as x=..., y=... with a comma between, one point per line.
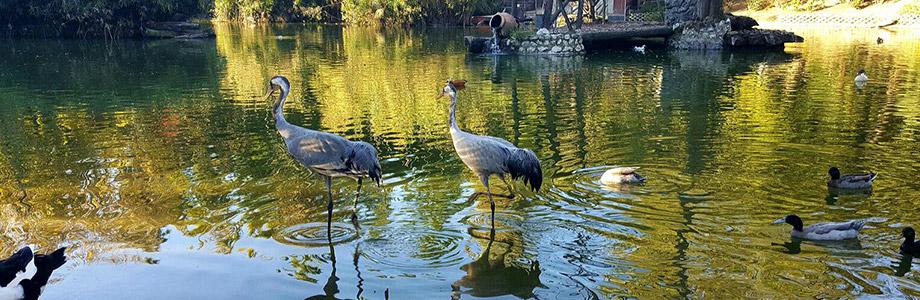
x=797, y=5
x=521, y=33
x=123, y=18
x=407, y=12
x=910, y=9
x=92, y=17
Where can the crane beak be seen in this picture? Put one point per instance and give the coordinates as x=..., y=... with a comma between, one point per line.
x=271, y=91
x=780, y=221
x=441, y=94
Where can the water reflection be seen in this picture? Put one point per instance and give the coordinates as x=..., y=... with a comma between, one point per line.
x=164, y=150
x=493, y=274
x=903, y=265
x=332, y=283
x=835, y=194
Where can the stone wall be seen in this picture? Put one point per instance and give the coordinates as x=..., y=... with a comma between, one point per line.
x=700, y=35
x=545, y=42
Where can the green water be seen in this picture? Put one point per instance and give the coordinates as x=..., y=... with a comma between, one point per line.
x=157, y=163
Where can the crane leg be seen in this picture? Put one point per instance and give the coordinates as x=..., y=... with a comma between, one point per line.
x=485, y=182
x=354, y=212
x=329, y=207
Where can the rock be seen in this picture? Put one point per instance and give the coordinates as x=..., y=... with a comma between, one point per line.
x=760, y=38
x=543, y=31
x=579, y=48
x=556, y=49
x=700, y=35
x=741, y=22
x=179, y=30
x=162, y=34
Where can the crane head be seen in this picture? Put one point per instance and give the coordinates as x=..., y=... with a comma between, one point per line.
x=452, y=87
x=278, y=82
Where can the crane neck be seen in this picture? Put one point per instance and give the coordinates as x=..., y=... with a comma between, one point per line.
x=278, y=112
x=452, y=117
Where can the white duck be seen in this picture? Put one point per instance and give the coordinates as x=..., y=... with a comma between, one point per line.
x=830, y=231
x=622, y=175
x=861, y=76
x=639, y=49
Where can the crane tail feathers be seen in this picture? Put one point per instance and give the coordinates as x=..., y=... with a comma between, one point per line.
x=362, y=157
x=524, y=164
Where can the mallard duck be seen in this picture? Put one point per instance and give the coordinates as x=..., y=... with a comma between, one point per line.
x=639, y=49
x=23, y=275
x=910, y=246
x=831, y=231
x=849, y=181
x=861, y=76
x=622, y=175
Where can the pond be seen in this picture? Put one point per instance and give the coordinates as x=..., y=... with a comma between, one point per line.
x=158, y=164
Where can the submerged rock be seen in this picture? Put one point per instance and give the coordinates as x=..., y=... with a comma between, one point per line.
x=179, y=30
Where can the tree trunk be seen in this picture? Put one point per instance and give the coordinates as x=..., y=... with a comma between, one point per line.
x=715, y=8
x=548, y=19
x=580, y=15
x=679, y=11
x=565, y=16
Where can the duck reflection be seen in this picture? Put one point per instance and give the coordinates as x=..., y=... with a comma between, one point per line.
x=903, y=265
x=834, y=194
x=488, y=277
x=794, y=246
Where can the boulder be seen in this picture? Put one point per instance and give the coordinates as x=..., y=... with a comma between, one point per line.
x=760, y=38
x=741, y=22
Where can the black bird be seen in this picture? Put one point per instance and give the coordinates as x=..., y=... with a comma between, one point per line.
x=23, y=275
x=910, y=246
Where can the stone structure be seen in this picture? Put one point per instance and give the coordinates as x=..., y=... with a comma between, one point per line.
x=545, y=42
x=730, y=32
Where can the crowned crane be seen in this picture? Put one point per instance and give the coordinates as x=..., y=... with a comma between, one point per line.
x=326, y=154
x=487, y=156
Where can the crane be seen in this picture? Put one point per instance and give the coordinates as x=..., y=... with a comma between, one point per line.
x=487, y=156
x=324, y=153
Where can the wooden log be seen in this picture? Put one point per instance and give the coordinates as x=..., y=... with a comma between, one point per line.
x=649, y=31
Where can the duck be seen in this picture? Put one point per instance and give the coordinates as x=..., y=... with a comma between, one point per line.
x=910, y=246
x=639, y=49
x=621, y=175
x=861, y=76
x=24, y=274
x=830, y=231
x=850, y=181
